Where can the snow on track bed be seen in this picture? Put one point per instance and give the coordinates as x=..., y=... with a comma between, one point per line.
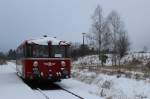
x=71, y=85
x=53, y=91
x=73, y=93
x=57, y=94
x=40, y=91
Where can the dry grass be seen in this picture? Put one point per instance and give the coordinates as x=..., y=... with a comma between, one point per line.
x=2, y=61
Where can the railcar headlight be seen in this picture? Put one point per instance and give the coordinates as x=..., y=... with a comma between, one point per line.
x=50, y=70
x=42, y=74
x=57, y=74
x=35, y=63
x=63, y=63
x=49, y=64
x=62, y=69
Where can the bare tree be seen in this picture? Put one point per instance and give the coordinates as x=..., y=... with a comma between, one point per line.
x=120, y=41
x=109, y=34
x=100, y=33
x=145, y=49
x=123, y=45
x=97, y=26
x=115, y=26
x=106, y=37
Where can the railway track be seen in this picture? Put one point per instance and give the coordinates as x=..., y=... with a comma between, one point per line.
x=72, y=93
x=50, y=90
x=47, y=97
x=39, y=90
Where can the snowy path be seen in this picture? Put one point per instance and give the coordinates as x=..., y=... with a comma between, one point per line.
x=11, y=86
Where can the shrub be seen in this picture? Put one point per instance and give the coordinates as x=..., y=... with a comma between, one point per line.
x=2, y=61
x=136, y=61
x=148, y=65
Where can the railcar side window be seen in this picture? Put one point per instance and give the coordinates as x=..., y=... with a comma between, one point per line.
x=28, y=51
x=20, y=53
x=67, y=49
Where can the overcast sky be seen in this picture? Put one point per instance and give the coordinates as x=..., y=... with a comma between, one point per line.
x=67, y=19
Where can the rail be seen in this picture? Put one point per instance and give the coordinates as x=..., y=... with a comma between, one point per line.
x=39, y=90
x=72, y=93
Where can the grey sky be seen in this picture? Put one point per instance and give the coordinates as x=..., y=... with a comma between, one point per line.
x=67, y=19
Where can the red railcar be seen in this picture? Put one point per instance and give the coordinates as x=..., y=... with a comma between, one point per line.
x=45, y=58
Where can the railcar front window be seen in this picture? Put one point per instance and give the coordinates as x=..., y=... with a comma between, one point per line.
x=60, y=51
x=40, y=51
x=43, y=51
x=57, y=51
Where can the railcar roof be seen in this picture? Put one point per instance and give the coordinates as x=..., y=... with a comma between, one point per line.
x=45, y=40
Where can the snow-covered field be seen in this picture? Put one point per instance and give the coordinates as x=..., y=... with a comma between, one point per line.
x=129, y=85
x=80, y=88
x=11, y=86
x=112, y=87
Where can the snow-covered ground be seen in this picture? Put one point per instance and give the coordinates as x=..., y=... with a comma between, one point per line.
x=88, y=85
x=55, y=94
x=79, y=88
x=128, y=85
x=74, y=86
x=11, y=86
x=112, y=87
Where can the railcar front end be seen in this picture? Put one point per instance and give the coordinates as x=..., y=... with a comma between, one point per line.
x=43, y=62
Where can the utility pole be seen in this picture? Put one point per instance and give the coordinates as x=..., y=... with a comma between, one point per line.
x=83, y=37
x=83, y=45
x=44, y=35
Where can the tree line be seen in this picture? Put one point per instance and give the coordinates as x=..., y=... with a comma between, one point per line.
x=10, y=55
x=80, y=50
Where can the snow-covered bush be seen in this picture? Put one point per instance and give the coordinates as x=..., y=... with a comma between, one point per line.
x=135, y=61
x=111, y=87
x=84, y=76
x=126, y=82
x=148, y=65
x=107, y=84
